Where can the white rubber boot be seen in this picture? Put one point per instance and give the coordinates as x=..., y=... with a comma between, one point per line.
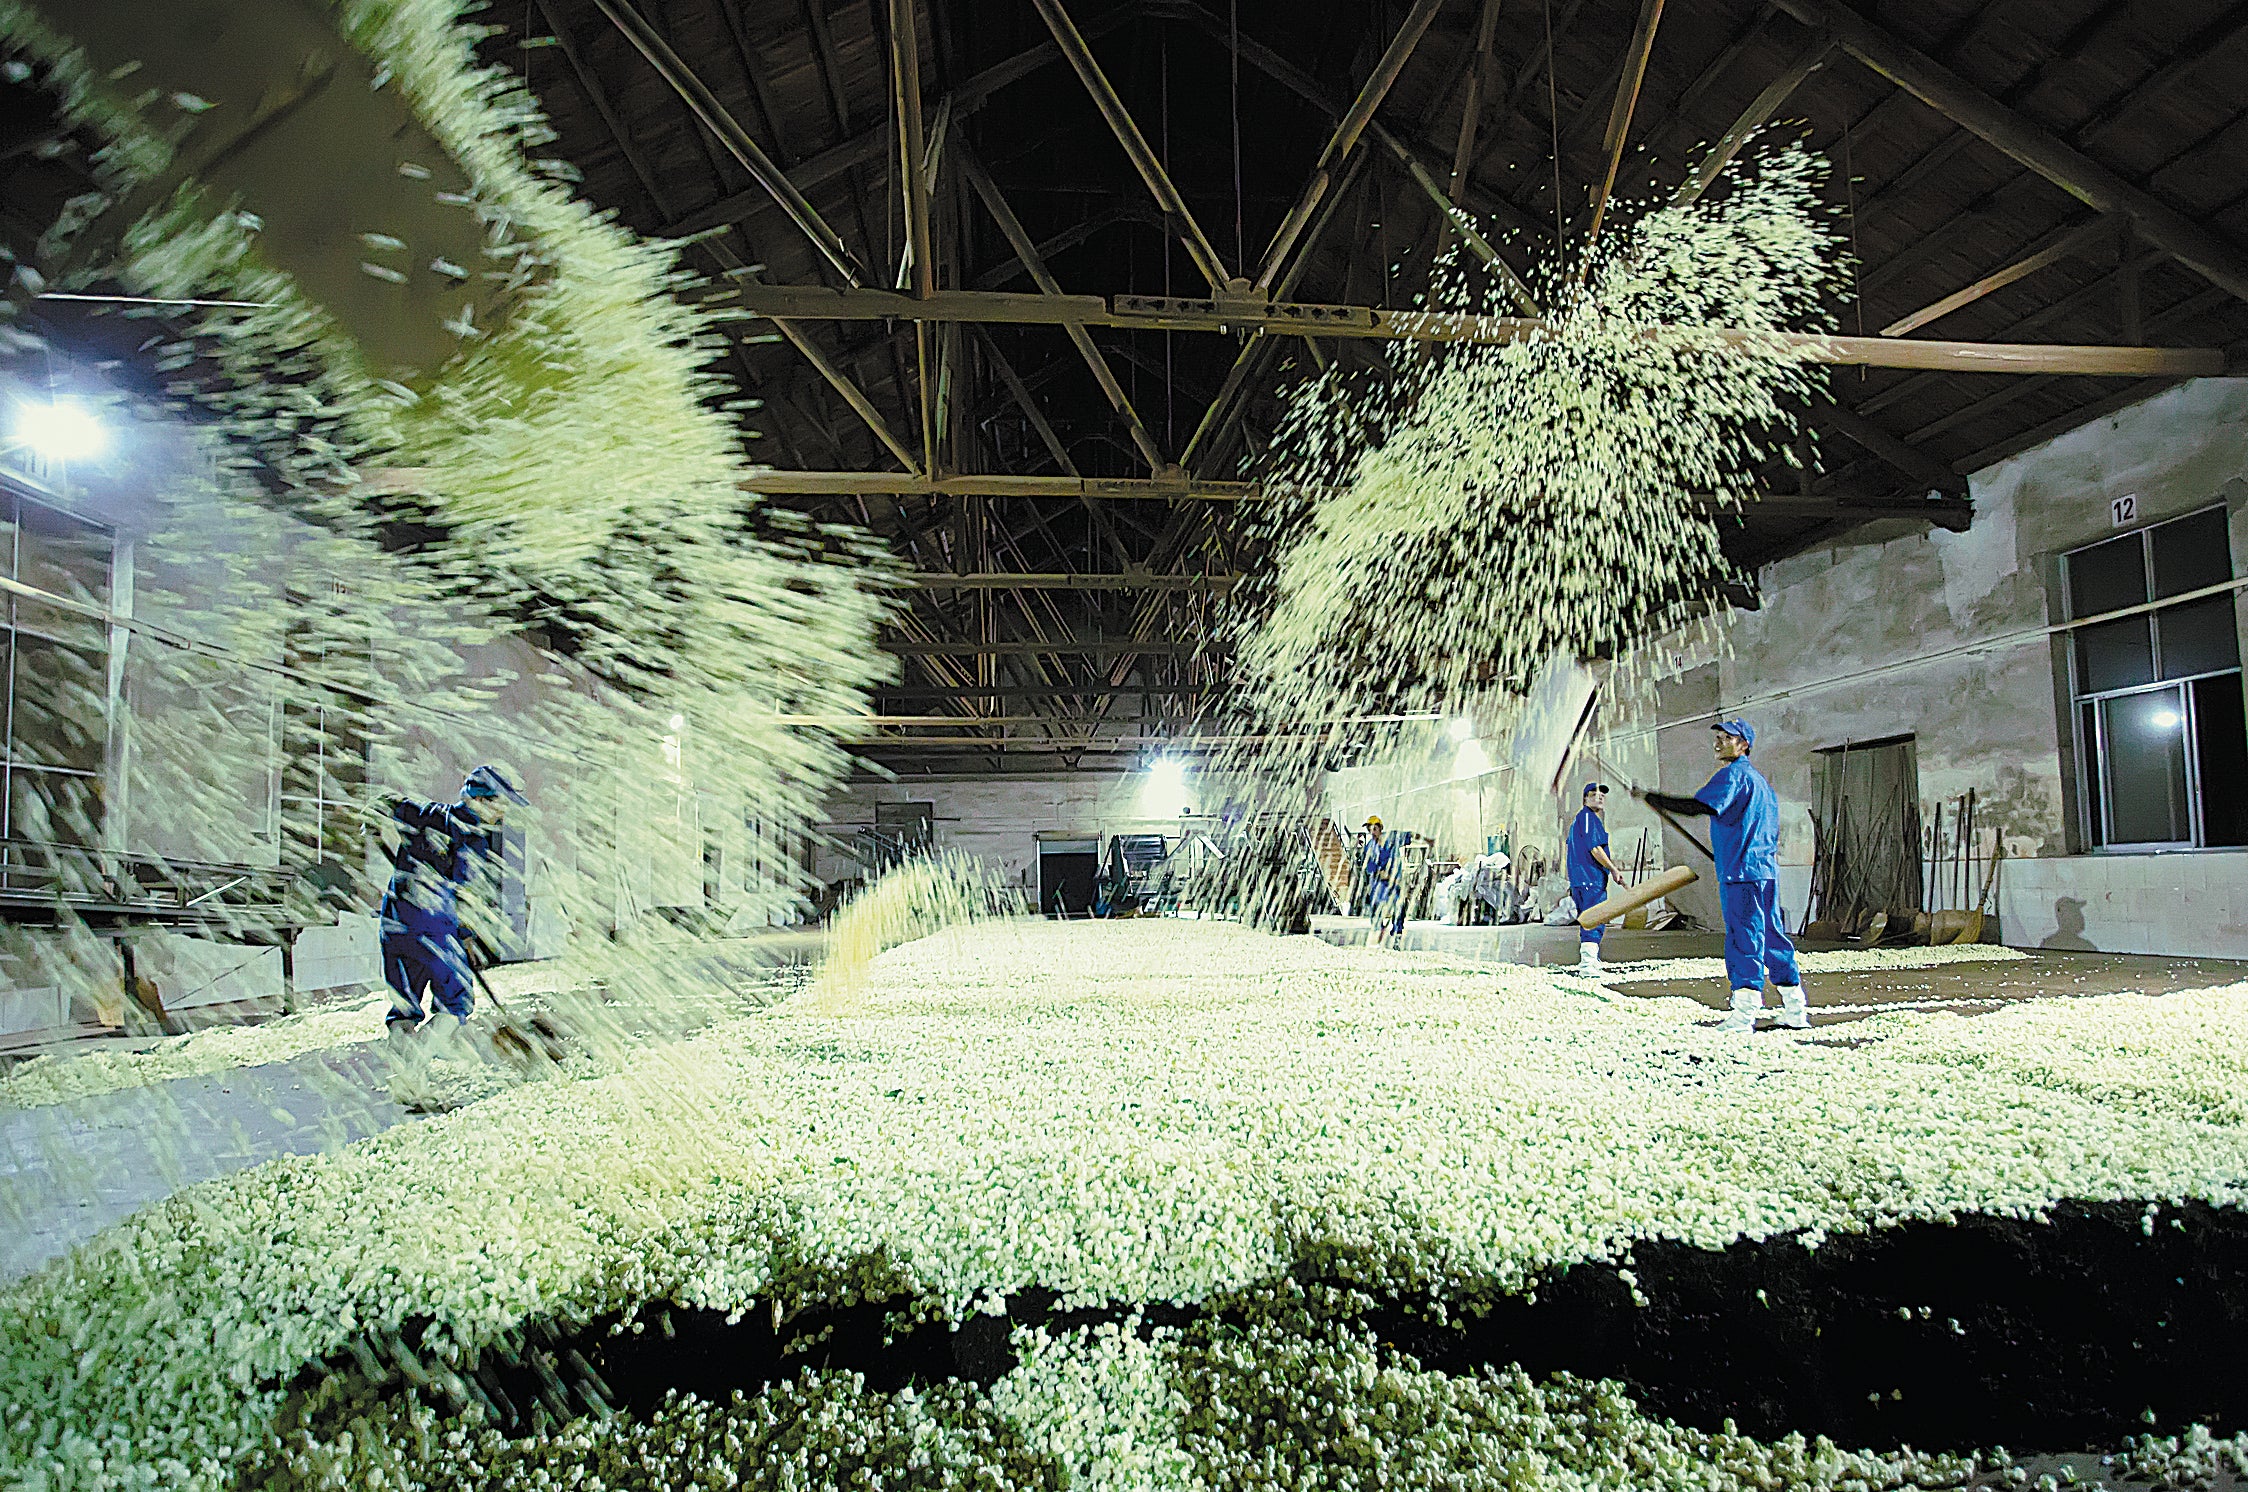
x=1795, y=1012
x=1588, y=960
x=1747, y=1004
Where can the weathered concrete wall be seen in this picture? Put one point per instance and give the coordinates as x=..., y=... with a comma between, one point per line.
x=1944, y=637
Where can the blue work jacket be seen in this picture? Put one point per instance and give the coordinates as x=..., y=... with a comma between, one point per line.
x=1745, y=832
x=444, y=848
x=1588, y=833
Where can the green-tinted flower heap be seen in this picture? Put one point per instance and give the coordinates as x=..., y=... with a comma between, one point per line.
x=575, y=473
x=1124, y=1113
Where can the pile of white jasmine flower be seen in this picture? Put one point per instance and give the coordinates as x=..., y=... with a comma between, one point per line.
x=1129, y=1112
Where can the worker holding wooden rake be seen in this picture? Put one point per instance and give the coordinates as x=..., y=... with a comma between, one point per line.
x=1745, y=839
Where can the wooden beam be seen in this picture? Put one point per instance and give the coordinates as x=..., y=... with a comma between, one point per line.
x=1471, y=108
x=1460, y=223
x=2185, y=311
x=818, y=170
x=2060, y=310
x=1309, y=89
x=1953, y=513
x=1910, y=460
x=1345, y=137
x=1050, y=294
x=1081, y=60
x=2070, y=241
x=1156, y=313
x=936, y=580
x=589, y=83
x=1619, y=117
x=2035, y=147
x=729, y=132
x=1753, y=118
x=1061, y=646
x=868, y=147
x=995, y=484
x=1064, y=688
x=1027, y=403
x=1948, y=511
x=905, y=97
x=1068, y=238
x=842, y=384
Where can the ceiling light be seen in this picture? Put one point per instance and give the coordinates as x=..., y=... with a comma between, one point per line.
x=2166, y=719
x=61, y=431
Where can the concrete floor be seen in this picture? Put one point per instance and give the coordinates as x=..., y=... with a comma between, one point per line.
x=1968, y=988
x=69, y=1170
x=1972, y=989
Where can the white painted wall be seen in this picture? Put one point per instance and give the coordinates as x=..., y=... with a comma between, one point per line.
x=998, y=818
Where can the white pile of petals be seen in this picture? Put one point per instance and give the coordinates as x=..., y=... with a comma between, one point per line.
x=1120, y=1112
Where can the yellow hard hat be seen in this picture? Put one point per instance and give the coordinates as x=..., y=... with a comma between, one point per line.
x=1373, y=821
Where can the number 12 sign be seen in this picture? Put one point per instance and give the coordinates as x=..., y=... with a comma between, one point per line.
x=2123, y=511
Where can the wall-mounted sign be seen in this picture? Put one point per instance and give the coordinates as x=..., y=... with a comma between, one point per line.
x=2123, y=511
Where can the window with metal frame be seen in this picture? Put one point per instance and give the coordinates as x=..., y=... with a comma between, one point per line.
x=2161, y=735
x=54, y=659
x=325, y=745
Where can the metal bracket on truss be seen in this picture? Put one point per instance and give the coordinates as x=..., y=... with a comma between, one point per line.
x=1253, y=309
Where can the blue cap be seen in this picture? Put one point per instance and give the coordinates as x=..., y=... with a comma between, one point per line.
x=1741, y=728
x=1595, y=787
x=490, y=782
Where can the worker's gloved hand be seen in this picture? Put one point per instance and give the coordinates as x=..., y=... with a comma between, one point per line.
x=1670, y=804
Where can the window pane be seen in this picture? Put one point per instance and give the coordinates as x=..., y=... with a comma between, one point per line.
x=63, y=555
x=2147, y=768
x=2115, y=655
x=2095, y=817
x=61, y=701
x=2191, y=553
x=2107, y=576
x=2220, y=727
x=2198, y=637
x=64, y=626
x=54, y=808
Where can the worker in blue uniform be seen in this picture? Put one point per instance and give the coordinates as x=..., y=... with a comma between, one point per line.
x=1745, y=838
x=1385, y=896
x=1590, y=870
x=444, y=847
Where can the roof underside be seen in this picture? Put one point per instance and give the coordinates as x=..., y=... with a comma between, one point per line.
x=1237, y=105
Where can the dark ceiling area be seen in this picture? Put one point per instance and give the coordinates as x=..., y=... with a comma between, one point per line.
x=1069, y=486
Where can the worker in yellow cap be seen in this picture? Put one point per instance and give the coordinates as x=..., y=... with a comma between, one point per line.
x=1385, y=899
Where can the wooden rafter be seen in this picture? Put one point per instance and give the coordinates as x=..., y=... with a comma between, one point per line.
x=2037, y=148
x=1619, y=118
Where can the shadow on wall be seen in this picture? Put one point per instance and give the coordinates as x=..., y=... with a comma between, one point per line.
x=2068, y=927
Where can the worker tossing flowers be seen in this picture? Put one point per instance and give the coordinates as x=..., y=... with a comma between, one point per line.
x=1745, y=842
x=445, y=846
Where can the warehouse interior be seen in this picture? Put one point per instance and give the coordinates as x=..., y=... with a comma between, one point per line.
x=850, y=469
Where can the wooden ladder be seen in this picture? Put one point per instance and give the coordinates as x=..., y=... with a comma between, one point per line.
x=1332, y=852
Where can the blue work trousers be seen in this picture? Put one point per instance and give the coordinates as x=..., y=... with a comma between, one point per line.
x=1385, y=906
x=429, y=957
x=1756, y=940
x=1584, y=896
